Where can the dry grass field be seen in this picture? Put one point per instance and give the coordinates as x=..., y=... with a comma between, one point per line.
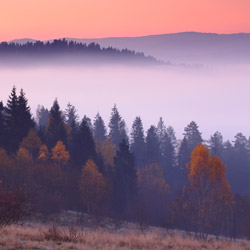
x=39, y=236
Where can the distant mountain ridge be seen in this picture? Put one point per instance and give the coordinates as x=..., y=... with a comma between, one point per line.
x=185, y=47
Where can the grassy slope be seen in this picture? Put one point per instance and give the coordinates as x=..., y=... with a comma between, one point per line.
x=44, y=236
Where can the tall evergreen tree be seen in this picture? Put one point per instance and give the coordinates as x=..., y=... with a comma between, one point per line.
x=42, y=116
x=117, y=127
x=25, y=119
x=125, y=181
x=239, y=174
x=83, y=146
x=71, y=116
x=2, y=126
x=18, y=119
x=152, y=146
x=161, y=130
x=138, y=142
x=183, y=154
x=56, y=128
x=193, y=136
x=88, y=121
x=99, y=129
x=216, y=144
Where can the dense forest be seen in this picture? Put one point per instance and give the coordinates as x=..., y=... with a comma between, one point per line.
x=56, y=161
x=69, y=51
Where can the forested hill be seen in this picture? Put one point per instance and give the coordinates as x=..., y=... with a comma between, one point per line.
x=69, y=52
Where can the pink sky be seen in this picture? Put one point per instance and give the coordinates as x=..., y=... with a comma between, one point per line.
x=47, y=19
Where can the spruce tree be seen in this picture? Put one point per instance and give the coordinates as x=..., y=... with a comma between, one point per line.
x=2, y=127
x=138, y=142
x=152, y=146
x=56, y=128
x=83, y=146
x=18, y=119
x=71, y=116
x=216, y=144
x=99, y=129
x=25, y=119
x=125, y=180
x=193, y=136
x=117, y=127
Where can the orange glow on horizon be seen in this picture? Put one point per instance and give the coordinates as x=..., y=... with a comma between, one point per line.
x=48, y=19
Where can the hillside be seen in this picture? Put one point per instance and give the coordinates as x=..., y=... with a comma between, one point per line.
x=40, y=236
x=186, y=47
x=27, y=51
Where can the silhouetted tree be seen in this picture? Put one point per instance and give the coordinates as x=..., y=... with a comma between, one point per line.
x=56, y=128
x=183, y=154
x=138, y=142
x=42, y=116
x=3, y=129
x=216, y=144
x=18, y=119
x=152, y=146
x=193, y=136
x=125, y=180
x=99, y=129
x=117, y=127
x=71, y=116
x=83, y=146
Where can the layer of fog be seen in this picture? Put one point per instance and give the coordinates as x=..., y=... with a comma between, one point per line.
x=217, y=99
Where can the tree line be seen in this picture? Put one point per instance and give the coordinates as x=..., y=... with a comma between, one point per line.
x=64, y=47
x=61, y=162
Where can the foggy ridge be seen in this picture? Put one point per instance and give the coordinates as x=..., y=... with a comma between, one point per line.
x=186, y=47
x=62, y=51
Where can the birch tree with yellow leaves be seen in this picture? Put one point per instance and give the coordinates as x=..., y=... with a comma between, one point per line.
x=207, y=198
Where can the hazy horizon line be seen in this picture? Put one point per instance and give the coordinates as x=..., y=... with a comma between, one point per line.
x=140, y=36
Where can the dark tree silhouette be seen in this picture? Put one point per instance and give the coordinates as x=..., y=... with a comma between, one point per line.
x=193, y=136
x=56, y=127
x=18, y=119
x=117, y=127
x=125, y=180
x=99, y=129
x=83, y=146
x=138, y=143
x=152, y=146
x=216, y=144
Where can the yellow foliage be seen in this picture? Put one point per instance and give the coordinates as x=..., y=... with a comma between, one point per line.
x=31, y=142
x=107, y=150
x=44, y=153
x=23, y=156
x=59, y=153
x=209, y=192
x=5, y=160
x=151, y=178
x=93, y=186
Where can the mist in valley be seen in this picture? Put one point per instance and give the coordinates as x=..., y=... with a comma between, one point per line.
x=216, y=98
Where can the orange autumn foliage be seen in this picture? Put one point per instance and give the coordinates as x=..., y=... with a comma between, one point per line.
x=59, y=153
x=93, y=187
x=208, y=195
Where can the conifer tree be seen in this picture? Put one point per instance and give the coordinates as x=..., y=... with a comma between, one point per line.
x=117, y=127
x=152, y=146
x=125, y=180
x=2, y=127
x=216, y=144
x=83, y=145
x=193, y=136
x=99, y=129
x=56, y=128
x=183, y=154
x=18, y=119
x=71, y=116
x=138, y=142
